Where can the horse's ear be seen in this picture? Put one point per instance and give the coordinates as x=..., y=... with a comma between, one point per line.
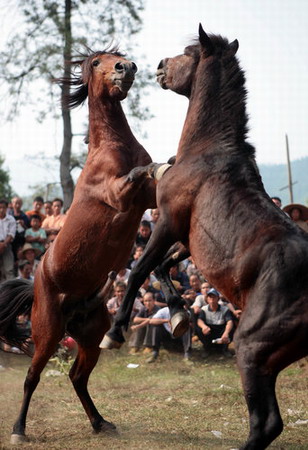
x=233, y=46
x=205, y=41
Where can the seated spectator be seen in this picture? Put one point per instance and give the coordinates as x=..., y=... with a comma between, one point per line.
x=139, y=249
x=144, y=233
x=154, y=218
x=48, y=208
x=54, y=223
x=50, y=238
x=214, y=322
x=181, y=277
x=189, y=296
x=195, y=283
x=191, y=268
x=200, y=300
x=30, y=254
x=25, y=270
x=36, y=235
x=277, y=201
x=299, y=215
x=36, y=208
x=162, y=335
x=141, y=329
x=123, y=275
x=115, y=302
x=22, y=223
x=7, y=234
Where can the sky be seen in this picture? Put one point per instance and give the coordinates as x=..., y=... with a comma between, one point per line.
x=273, y=41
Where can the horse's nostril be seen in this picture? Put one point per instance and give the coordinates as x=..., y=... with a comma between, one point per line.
x=134, y=67
x=160, y=65
x=119, y=67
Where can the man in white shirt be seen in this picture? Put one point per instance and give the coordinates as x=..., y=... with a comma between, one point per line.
x=162, y=335
x=7, y=234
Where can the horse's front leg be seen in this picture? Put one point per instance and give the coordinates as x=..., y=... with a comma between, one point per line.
x=179, y=317
x=160, y=241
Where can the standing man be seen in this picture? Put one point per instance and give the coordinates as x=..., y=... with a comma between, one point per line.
x=7, y=234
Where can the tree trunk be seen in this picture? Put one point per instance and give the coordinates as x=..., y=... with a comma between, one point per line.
x=67, y=182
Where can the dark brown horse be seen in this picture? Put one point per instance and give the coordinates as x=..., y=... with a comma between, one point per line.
x=214, y=202
x=97, y=237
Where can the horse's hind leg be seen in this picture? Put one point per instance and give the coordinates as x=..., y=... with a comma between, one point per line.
x=79, y=375
x=88, y=332
x=264, y=416
x=45, y=346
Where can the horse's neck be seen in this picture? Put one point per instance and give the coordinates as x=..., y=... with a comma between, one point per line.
x=212, y=118
x=107, y=123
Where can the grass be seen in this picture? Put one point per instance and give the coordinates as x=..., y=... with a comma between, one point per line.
x=168, y=404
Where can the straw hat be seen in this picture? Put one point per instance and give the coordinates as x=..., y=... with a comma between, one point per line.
x=176, y=284
x=28, y=246
x=303, y=209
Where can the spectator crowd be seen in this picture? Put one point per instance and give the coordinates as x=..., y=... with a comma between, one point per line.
x=25, y=236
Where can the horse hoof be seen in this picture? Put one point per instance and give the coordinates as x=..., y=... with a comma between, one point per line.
x=179, y=323
x=17, y=439
x=108, y=343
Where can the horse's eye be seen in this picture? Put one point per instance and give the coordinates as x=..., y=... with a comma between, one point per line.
x=95, y=63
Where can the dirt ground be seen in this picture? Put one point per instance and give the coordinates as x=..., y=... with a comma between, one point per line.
x=168, y=404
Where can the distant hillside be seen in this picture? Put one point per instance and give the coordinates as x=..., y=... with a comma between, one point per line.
x=275, y=177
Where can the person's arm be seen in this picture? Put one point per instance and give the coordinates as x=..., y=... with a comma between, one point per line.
x=141, y=323
x=158, y=321
x=204, y=328
x=225, y=336
x=236, y=312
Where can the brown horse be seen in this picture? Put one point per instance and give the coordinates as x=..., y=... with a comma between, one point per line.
x=214, y=202
x=97, y=237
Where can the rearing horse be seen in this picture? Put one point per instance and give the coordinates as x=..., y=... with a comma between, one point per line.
x=213, y=201
x=97, y=237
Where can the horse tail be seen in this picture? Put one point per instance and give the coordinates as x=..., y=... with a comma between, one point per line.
x=16, y=298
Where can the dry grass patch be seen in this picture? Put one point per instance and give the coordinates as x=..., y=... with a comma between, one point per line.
x=168, y=404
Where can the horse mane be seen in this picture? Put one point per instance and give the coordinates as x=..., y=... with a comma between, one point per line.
x=224, y=68
x=78, y=83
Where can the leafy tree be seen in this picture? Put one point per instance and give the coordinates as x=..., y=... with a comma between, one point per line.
x=52, y=33
x=5, y=188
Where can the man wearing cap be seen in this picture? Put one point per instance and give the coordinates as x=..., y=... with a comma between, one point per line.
x=7, y=234
x=214, y=322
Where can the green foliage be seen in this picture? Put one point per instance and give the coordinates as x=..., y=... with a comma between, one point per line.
x=5, y=188
x=36, y=52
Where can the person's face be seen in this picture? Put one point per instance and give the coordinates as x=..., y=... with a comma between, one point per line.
x=295, y=214
x=119, y=293
x=149, y=301
x=138, y=252
x=155, y=215
x=3, y=209
x=145, y=232
x=26, y=271
x=17, y=203
x=205, y=287
x=194, y=282
x=212, y=301
x=35, y=223
x=56, y=208
x=37, y=206
x=277, y=202
x=48, y=209
x=30, y=255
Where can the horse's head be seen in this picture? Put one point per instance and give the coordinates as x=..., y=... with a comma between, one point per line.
x=105, y=74
x=178, y=73
x=108, y=75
